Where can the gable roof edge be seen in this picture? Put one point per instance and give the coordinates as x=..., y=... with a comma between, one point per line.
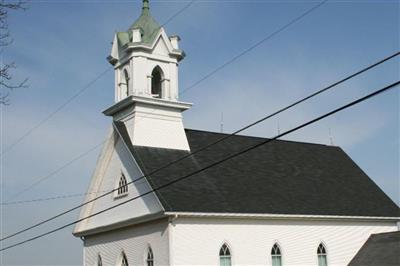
x=127, y=144
x=281, y=216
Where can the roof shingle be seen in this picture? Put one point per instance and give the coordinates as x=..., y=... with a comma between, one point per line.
x=281, y=177
x=379, y=250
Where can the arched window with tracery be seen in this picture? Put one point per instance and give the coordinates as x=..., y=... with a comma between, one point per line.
x=123, y=260
x=122, y=186
x=99, y=260
x=322, y=255
x=150, y=257
x=276, y=255
x=225, y=258
x=156, y=82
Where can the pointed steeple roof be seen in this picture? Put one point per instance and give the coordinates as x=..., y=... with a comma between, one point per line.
x=147, y=24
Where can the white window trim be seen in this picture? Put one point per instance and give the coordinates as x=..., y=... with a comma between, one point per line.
x=116, y=187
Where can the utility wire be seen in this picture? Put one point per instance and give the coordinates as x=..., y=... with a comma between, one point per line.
x=61, y=107
x=207, y=146
x=73, y=97
x=77, y=158
x=49, y=198
x=359, y=100
x=270, y=36
x=47, y=118
x=178, y=13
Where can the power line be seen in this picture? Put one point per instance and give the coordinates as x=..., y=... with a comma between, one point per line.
x=209, y=145
x=270, y=36
x=178, y=13
x=77, y=158
x=66, y=103
x=266, y=141
x=49, y=198
x=73, y=97
x=47, y=118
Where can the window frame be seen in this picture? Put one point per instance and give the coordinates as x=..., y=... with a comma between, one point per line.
x=324, y=253
x=124, y=83
x=229, y=249
x=149, y=261
x=161, y=73
x=276, y=247
x=122, y=258
x=121, y=191
x=99, y=260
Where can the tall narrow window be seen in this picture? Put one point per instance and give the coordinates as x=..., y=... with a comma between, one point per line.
x=122, y=186
x=276, y=255
x=124, y=84
x=124, y=260
x=99, y=260
x=156, y=82
x=126, y=77
x=225, y=256
x=322, y=255
x=150, y=257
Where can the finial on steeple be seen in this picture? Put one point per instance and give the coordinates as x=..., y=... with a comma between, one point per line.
x=146, y=5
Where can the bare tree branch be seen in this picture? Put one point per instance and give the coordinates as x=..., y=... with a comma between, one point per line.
x=6, y=77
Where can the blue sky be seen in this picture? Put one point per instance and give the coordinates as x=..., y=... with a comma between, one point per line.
x=62, y=45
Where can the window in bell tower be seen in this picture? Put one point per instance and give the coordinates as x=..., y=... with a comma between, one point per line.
x=156, y=82
x=124, y=84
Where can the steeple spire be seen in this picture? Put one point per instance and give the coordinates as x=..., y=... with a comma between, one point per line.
x=146, y=5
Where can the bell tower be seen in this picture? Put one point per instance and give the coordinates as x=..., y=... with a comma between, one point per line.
x=146, y=62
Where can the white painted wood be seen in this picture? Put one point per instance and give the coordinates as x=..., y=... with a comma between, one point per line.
x=116, y=159
x=151, y=123
x=196, y=241
x=133, y=240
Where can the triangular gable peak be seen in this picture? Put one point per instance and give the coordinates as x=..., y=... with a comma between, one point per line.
x=126, y=45
x=116, y=169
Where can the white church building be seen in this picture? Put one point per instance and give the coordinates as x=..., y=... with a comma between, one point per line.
x=285, y=203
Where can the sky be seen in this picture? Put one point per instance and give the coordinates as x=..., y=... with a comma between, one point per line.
x=62, y=45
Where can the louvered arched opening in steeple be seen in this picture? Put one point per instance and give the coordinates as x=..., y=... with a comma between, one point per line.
x=157, y=77
x=124, y=84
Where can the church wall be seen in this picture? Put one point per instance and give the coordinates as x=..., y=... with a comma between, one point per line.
x=161, y=127
x=118, y=160
x=196, y=241
x=133, y=240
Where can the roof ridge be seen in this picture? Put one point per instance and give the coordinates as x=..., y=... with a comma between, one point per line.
x=386, y=233
x=257, y=137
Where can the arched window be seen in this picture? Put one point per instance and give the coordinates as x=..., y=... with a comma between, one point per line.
x=126, y=77
x=150, y=257
x=156, y=82
x=123, y=260
x=322, y=255
x=225, y=256
x=99, y=260
x=122, y=186
x=124, y=84
x=276, y=255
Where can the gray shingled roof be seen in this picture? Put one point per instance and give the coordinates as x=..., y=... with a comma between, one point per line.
x=282, y=177
x=379, y=250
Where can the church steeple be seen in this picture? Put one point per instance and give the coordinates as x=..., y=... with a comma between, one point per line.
x=146, y=24
x=146, y=61
x=146, y=5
